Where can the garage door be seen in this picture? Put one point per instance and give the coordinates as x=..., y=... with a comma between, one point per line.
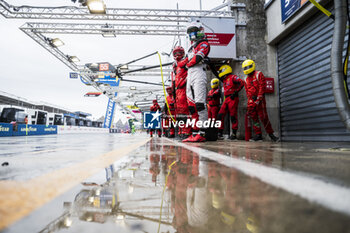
x=307, y=108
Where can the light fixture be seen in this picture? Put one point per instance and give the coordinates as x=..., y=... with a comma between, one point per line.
x=132, y=88
x=73, y=59
x=108, y=34
x=67, y=222
x=96, y=6
x=55, y=42
x=108, y=31
x=124, y=67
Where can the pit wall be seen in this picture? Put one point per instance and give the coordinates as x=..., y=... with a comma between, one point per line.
x=8, y=130
x=80, y=129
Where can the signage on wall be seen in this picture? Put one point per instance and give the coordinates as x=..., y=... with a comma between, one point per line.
x=289, y=7
x=221, y=35
x=270, y=85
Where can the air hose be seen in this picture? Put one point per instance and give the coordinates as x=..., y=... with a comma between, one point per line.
x=321, y=8
x=166, y=182
x=166, y=101
x=346, y=59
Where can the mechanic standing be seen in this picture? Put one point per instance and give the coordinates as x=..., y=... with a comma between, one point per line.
x=169, y=118
x=255, y=85
x=181, y=104
x=154, y=108
x=196, y=87
x=232, y=85
x=213, y=98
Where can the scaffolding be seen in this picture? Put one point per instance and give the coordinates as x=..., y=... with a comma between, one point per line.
x=157, y=22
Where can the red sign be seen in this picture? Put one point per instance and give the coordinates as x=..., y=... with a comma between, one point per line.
x=270, y=85
x=219, y=39
x=104, y=67
x=92, y=94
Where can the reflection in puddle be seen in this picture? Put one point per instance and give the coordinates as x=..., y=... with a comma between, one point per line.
x=201, y=196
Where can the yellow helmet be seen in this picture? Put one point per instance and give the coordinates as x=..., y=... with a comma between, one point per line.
x=227, y=218
x=217, y=200
x=214, y=83
x=224, y=70
x=248, y=66
x=252, y=225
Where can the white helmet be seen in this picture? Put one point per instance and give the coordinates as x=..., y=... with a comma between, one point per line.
x=195, y=30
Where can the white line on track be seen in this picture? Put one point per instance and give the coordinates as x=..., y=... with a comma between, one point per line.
x=331, y=196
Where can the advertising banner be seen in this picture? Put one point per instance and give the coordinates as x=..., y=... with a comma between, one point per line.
x=109, y=114
x=73, y=75
x=134, y=109
x=221, y=34
x=113, y=82
x=5, y=130
x=289, y=7
x=92, y=94
x=26, y=130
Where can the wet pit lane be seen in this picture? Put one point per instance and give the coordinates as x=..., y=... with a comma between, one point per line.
x=203, y=193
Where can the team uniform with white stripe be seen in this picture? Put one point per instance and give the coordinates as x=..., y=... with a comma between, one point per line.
x=196, y=88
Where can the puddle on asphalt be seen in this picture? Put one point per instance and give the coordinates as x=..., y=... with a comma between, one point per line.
x=329, y=166
x=200, y=196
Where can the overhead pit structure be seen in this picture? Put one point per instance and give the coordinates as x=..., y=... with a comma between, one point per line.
x=170, y=22
x=119, y=14
x=101, y=29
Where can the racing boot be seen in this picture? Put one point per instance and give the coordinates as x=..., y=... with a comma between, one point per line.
x=274, y=138
x=197, y=138
x=189, y=139
x=233, y=137
x=220, y=135
x=256, y=138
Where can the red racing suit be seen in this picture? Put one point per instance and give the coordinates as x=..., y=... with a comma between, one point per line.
x=255, y=85
x=154, y=168
x=232, y=85
x=213, y=98
x=154, y=108
x=168, y=118
x=196, y=87
x=182, y=111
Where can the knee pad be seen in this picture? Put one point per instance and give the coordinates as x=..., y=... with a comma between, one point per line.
x=233, y=119
x=200, y=107
x=192, y=109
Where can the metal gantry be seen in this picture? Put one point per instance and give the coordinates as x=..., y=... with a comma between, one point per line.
x=41, y=40
x=117, y=29
x=36, y=30
x=122, y=14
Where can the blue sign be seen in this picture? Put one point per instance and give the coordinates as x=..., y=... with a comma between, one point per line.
x=73, y=75
x=23, y=130
x=5, y=129
x=110, y=81
x=152, y=120
x=109, y=114
x=289, y=7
